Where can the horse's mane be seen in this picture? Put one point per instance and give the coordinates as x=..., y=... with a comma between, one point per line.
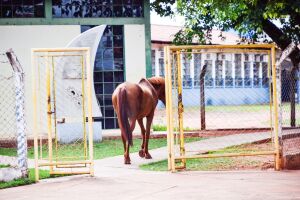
x=156, y=80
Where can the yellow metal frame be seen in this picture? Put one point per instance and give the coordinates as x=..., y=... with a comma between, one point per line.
x=88, y=160
x=177, y=50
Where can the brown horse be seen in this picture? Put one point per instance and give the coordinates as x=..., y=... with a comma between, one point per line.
x=134, y=102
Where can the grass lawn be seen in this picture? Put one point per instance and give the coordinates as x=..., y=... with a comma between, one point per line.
x=236, y=108
x=159, y=127
x=106, y=148
x=4, y=166
x=30, y=180
x=216, y=164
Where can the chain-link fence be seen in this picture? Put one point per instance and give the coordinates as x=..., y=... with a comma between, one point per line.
x=290, y=115
x=13, y=142
x=62, y=107
x=225, y=96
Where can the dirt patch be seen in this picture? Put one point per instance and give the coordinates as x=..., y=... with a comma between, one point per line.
x=265, y=162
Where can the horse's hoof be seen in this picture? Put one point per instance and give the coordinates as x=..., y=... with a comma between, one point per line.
x=141, y=154
x=148, y=156
x=127, y=162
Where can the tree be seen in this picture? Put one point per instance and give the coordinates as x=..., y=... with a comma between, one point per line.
x=280, y=20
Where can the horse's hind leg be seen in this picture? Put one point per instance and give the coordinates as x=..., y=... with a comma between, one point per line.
x=126, y=150
x=141, y=152
x=148, y=126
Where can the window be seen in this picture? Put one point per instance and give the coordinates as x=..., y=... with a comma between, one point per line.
x=265, y=79
x=246, y=56
x=256, y=79
x=219, y=73
x=247, y=78
x=23, y=9
x=161, y=67
x=153, y=62
x=186, y=71
x=197, y=69
x=97, y=8
x=228, y=74
x=208, y=75
x=238, y=70
x=108, y=71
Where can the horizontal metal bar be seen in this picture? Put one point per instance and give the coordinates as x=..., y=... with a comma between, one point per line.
x=64, y=163
x=68, y=173
x=259, y=46
x=71, y=49
x=226, y=155
x=61, y=55
x=71, y=166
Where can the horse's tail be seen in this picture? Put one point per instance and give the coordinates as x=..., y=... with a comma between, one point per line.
x=122, y=105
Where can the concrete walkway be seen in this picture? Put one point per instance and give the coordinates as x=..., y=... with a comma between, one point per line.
x=114, y=180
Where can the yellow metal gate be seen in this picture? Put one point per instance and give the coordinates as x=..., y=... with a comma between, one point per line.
x=62, y=110
x=232, y=98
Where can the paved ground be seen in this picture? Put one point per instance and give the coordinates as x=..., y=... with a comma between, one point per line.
x=113, y=180
x=132, y=184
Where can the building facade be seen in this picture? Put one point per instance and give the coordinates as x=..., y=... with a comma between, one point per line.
x=230, y=79
x=124, y=53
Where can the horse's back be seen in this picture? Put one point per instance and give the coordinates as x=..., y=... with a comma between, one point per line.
x=139, y=99
x=132, y=92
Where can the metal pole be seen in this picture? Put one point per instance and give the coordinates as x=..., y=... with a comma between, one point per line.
x=277, y=115
x=90, y=116
x=180, y=109
x=167, y=92
x=83, y=107
x=49, y=111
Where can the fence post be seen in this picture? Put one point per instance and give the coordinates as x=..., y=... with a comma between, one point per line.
x=202, y=97
x=20, y=108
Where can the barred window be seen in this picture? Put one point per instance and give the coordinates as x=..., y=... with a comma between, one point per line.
x=97, y=8
x=23, y=9
x=161, y=67
x=219, y=73
x=153, y=62
x=208, y=75
x=197, y=69
x=247, y=78
x=228, y=74
x=238, y=70
x=265, y=79
x=256, y=79
x=186, y=71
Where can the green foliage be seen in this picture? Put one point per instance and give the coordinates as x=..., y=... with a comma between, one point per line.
x=4, y=166
x=159, y=127
x=248, y=17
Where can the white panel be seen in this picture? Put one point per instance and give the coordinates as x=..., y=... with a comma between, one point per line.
x=22, y=38
x=135, y=56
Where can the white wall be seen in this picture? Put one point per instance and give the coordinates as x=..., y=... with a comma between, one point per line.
x=22, y=38
x=135, y=57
